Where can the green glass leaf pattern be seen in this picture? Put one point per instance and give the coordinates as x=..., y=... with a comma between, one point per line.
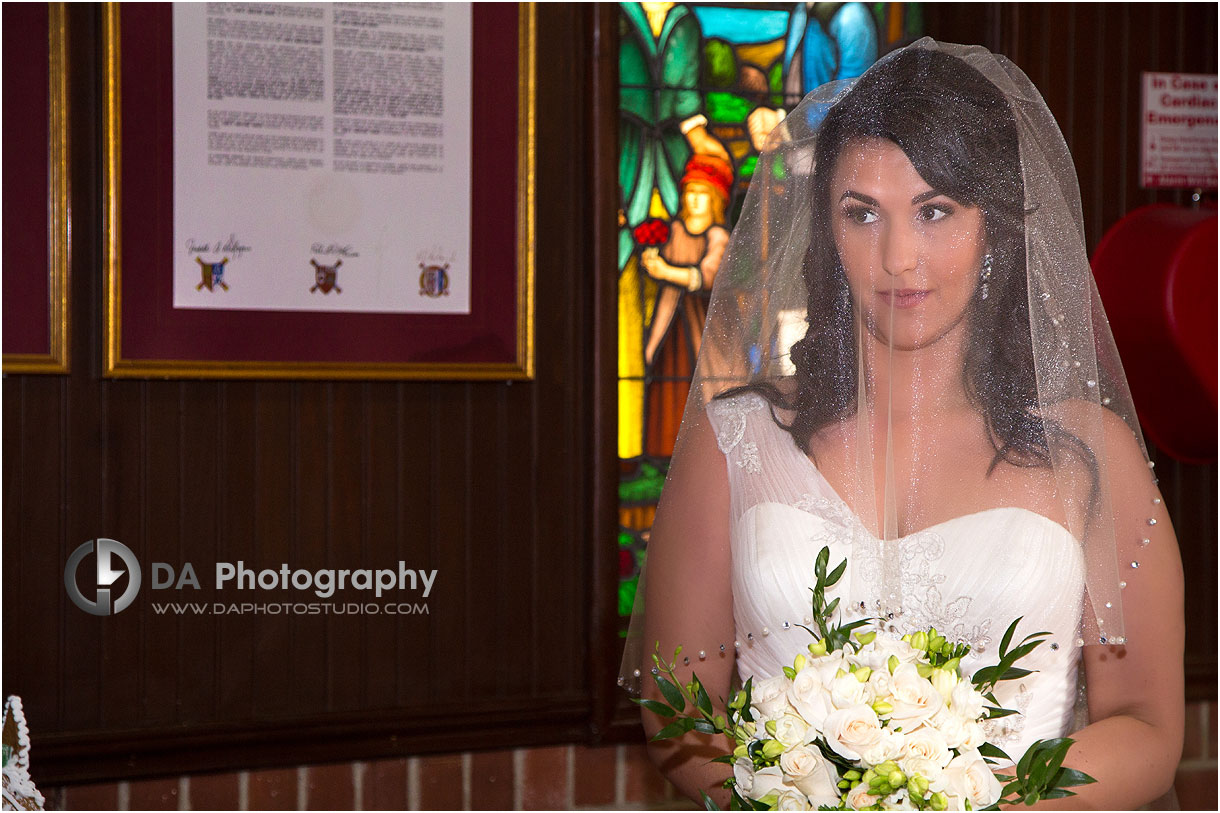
x=679, y=67
x=626, y=244
x=630, y=137
x=676, y=153
x=746, y=170
x=626, y=595
x=727, y=107
x=644, y=487
x=641, y=195
x=719, y=64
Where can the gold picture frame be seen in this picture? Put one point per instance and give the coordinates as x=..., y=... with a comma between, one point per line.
x=120, y=364
x=59, y=215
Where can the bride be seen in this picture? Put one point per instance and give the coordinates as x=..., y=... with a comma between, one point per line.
x=905, y=360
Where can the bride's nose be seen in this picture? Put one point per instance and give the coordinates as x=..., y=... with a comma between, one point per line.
x=899, y=249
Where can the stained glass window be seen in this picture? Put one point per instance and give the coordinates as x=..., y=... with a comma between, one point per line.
x=700, y=87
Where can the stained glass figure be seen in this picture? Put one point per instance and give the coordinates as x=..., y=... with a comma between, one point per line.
x=700, y=89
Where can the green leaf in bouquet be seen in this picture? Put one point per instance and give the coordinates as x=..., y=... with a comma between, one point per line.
x=673, y=695
x=655, y=706
x=702, y=701
x=727, y=759
x=1012, y=673
x=996, y=712
x=748, y=688
x=819, y=565
x=708, y=804
x=1070, y=777
x=993, y=751
x=837, y=573
x=832, y=606
x=675, y=729
x=705, y=727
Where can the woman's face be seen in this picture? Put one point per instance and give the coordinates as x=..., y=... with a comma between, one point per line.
x=912, y=254
x=697, y=199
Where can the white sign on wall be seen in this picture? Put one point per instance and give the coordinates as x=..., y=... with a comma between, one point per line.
x=1178, y=131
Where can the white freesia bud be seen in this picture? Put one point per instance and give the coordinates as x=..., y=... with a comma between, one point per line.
x=914, y=698
x=966, y=701
x=812, y=774
x=924, y=743
x=809, y=697
x=944, y=681
x=853, y=730
x=792, y=731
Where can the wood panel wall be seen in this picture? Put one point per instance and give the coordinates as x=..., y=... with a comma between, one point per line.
x=488, y=482
x=507, y=489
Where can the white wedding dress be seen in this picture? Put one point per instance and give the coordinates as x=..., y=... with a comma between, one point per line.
x=969, y=577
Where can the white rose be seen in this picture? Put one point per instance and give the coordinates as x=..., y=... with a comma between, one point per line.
x=975, y=736
x=859, y=798
x=792, y=800
x=877, y=654
x=847, y=691
x=927, y=743
x=887, y=747
x=881, y=683
x=769, y=697
x=809, y=697
x=766, y=780
x=951, y=726
x=791, y=730
x=743, y=772
x=921, y=766
x=852, y=730
x=968, y=777
x=966, y=701
x=812, y=774
x=914, y=698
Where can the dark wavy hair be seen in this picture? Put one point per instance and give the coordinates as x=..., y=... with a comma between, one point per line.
x=959, y=133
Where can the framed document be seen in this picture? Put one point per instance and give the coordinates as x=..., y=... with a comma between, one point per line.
x=317, y=191
x=36, y=187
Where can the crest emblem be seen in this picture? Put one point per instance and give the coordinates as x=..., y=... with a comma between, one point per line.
x=324, y=277
x=434, y=280
x=213, y=275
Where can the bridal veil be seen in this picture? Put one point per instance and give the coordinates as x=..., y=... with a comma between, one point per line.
x=872, y=321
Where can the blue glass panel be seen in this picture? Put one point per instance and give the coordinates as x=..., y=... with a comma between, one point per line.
x=742, y=25
x=856, y=33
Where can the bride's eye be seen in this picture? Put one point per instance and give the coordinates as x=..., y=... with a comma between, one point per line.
x=860, y=214
x=932, y=212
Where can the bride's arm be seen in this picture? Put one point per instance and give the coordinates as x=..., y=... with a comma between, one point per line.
x=1136, y=691
x=688, y=602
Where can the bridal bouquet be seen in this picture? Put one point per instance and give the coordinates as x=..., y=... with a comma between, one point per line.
x=868, y=721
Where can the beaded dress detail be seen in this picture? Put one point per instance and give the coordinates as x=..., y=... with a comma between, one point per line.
x=970, y=576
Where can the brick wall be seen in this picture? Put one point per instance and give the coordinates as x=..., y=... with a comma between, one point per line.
x=573, y=777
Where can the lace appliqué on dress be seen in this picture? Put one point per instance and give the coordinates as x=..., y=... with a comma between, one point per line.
x=732, y=413
x=749, y=459
x=922, y=603
x=1008, y=729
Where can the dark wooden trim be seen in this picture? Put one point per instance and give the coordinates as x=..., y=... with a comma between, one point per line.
x=106, y=756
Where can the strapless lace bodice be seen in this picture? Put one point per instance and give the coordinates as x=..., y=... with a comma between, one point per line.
x=970, y=577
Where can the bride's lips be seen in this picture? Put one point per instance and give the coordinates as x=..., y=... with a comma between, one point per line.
x=903, y=297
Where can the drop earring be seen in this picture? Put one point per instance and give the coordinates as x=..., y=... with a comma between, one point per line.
x=985, y=276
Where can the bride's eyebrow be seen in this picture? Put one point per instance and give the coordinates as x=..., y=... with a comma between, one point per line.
x=863, y=198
